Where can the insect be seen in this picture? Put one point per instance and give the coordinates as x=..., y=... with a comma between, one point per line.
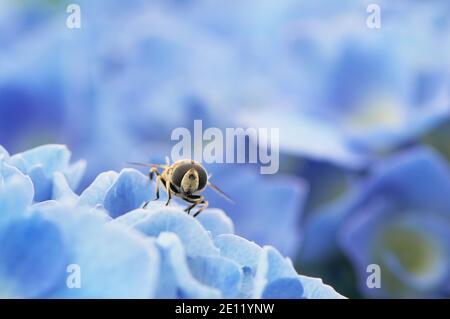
x=185, y=179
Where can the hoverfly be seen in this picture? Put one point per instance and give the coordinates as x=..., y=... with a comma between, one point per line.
x=185, y=179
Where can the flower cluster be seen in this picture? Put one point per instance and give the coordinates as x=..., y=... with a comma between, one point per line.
x=401, y=222
x=398, y=219
x=122, y=250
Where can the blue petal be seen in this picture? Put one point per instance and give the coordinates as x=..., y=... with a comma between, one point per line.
x=277, y=278
x=41, y=162
x=217, y=272
x=321, y=229
x=283, y=288
x=32, y=258
x=363, y=239
x=61, y=189
x=94, y=195
x=247, y=283
x=128, y=192
x=196, y=240
x=16, y=192
x=275, y=274
x=42, y=183
x=277, y=265
x=74, y=173
x=314, y=288
x=176, y=280
x=216, y=221
x=3, y=153
x=52, y=158
x=397, y=178
x=402, y=190
x=271, y=267
x=245, y=253
x=278, y=202
x=321, y=140
x=115, y=262
x=242, y=251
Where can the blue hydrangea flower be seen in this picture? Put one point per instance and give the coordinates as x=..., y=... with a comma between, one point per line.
x=123, y=251
x=41, y=164
x=350, y=94
x=88, y=112
x=248, y=270
x=346, y=93
x=356, y=98
x=13, y=182
x=400, y=221
x=119, y=193
x=256, y=198
x=352, y=103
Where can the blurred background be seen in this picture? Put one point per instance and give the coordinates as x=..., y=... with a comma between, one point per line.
x=363, y=115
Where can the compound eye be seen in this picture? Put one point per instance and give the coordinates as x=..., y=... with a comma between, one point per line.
x=202, y=176
x=179, y=172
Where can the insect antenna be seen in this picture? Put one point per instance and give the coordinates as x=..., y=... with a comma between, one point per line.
x=220, y=192
x=147, y=165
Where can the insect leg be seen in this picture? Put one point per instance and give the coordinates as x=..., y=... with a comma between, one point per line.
x=188, y=209
x=169, y=192
x=194, y=200
x=158, y=180
x=205, y=204
x=152, y=172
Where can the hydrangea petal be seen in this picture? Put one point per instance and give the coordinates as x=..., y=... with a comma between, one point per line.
x=283, y=288
x=276, y=277
x=52, y=157
x=365, y=239
x=16, y=192
x=3, y=153
x=32, y=258
x=41, y=162
x=115, y=262
x=176, y=279
x=321, y=229
x=61, y=189
x=242, y=251
x=271, y=267
x=217, y=272
x=247, y=286
x=320, y=140
x=74, y=173
x=42, y=183
x=216, y=221
x=246, y=254
x=397, y=178
x=278, y=266
x=95, y=193
x=281, y=194
x=314, y=288
x=395, y=197
x=196, y=240
x=128, y=192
